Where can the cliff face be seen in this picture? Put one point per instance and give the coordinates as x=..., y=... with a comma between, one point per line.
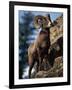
x=57, y=30
x=55, y=52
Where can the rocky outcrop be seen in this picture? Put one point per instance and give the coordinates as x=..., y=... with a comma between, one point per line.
x=56, y=31
x=55, y=71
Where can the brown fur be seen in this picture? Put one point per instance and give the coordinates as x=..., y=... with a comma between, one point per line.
x=38, y=50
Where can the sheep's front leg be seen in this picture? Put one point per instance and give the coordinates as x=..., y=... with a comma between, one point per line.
x=40, y=64
x=39, y=59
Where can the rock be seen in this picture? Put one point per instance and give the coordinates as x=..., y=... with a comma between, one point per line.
x=57, y=30
x=55, y=71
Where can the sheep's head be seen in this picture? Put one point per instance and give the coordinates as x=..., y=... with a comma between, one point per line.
x=42, y=21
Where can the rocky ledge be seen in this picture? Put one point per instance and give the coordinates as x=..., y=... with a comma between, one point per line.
x=55, y=71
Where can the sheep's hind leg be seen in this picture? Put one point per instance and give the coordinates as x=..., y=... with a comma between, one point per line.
x=30, y=69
